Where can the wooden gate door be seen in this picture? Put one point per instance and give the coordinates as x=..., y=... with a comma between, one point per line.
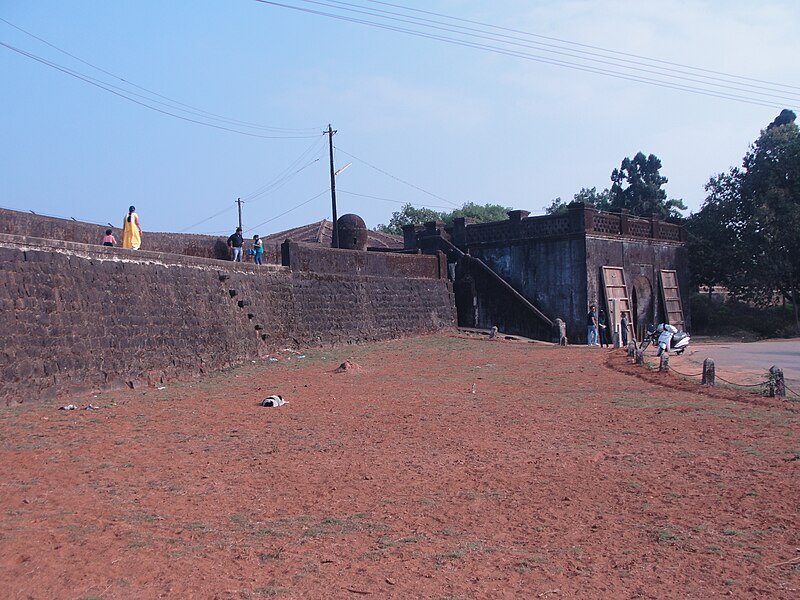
x=671, y=297
x=614, y=284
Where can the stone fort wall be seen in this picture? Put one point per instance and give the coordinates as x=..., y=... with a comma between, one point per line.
x=78, y=318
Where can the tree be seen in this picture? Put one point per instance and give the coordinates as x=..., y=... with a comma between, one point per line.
x=710, y=253
x=750, y=220
x=636, y=186
x=600, y=200
x=557, y=207
x=590, y=197
x=409, y=215
x=481, y=214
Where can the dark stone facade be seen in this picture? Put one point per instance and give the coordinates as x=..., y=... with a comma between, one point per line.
x=79, y=318
x=555, y=262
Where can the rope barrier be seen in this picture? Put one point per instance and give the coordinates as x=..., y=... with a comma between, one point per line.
x=685, y=374
x=743, y=385
x=764, y=385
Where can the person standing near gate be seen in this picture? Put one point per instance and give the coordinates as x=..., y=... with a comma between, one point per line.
x=591, y=326
x=623, y=329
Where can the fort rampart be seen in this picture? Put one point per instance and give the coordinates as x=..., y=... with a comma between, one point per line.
x=77, y=318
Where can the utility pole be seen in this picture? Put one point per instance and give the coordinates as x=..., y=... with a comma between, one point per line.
x=239, y=202
x=335, y=243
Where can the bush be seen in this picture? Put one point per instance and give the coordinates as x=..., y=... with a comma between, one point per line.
x=715, y=316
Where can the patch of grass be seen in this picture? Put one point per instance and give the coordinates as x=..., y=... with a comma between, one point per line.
x=462, y=550
x=713, y=549
x=270, y=591
x=751, y=493
x=337, y=526
x=665, y=535
x=142, y=516
x=731, y=532
x=241, y=519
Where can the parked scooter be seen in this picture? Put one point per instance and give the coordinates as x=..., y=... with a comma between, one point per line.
x=667, y=337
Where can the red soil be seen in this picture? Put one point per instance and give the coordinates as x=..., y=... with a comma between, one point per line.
x=445, y=467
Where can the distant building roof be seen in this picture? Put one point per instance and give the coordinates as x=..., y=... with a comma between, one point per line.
x=322, y=233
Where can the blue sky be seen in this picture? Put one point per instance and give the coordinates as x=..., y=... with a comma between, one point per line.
x=422, y=121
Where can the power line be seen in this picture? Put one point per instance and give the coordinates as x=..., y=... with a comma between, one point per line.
x=550, y=48
x=172, y=103
x=108, y=88
x=286, y=212
x=581, y=45
x=403, y=202
x=711, y=89
x=431, y=194
x=285, y=175
x=226, y=209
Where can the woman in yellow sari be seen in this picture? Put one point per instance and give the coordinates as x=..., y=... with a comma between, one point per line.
x=131, y=230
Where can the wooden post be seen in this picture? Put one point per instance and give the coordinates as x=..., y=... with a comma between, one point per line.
x=639, y=357
x=709, y=372
x=664, y=366
x=777, y=387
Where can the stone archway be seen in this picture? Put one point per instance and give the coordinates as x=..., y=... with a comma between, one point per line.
x=643, y=304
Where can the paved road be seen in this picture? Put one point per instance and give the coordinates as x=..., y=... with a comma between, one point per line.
x=746, y=363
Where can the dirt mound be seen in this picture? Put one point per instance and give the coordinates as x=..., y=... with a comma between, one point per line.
x=348, y=367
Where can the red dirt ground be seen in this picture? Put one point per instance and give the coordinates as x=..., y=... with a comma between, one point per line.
x=444, y=467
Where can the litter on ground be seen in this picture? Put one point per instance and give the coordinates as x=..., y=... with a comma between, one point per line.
x=273, y=401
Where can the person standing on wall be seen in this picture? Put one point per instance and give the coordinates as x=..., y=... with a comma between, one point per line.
x=623, y=329
x=591, y=326
x=235, y=242
x=602, y=324
x=258, y=250
x=131, y=230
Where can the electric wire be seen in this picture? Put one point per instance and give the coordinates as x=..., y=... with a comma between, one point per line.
x=719, y=92
x=172, y=103
x=286, y=212
x=411, y=185
x=224, y=210
x=287, y=174
x=272, y=186
x=579, y=54
x=126, y=96
x=403, y=202
x=639, y=57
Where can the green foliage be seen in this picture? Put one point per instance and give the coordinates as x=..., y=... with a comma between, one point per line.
x=715, y=317
x=481, y=214
x=589, y=196
x=409, y=215
x=636, y=186
x=708, y=242
x=557, y=207
x=747, y=234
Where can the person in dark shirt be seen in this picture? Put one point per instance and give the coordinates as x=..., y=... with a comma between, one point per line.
x=602, y=324
x=623, y=329
x=235, y=243
x=591, y=326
